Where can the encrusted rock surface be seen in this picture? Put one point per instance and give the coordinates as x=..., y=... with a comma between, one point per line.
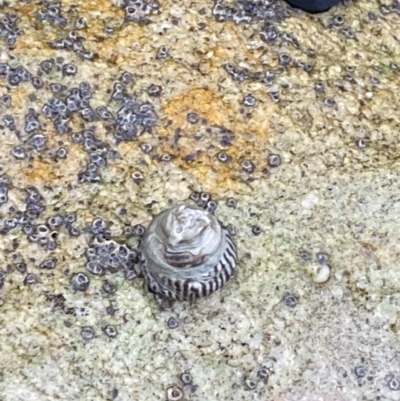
x=286, y=123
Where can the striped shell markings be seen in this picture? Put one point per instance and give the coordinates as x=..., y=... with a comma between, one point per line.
x=186, y=254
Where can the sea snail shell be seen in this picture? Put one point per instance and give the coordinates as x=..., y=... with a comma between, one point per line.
x=186, y=254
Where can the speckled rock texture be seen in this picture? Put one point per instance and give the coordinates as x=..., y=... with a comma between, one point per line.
x=287, y=124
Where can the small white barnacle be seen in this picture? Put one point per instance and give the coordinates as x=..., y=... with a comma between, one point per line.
x=186, y=254
x=321, y=272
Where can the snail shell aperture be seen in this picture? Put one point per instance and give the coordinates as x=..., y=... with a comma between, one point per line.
x=187, y=254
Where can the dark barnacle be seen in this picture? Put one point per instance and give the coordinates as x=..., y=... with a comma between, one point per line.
x=61, y=153
x=269, y=34
x=154, y=90
x=256, y=230
x=319, y=87
x=361, y=144
x=289, y=300
x=84, y=89
x=103, y=113
x=348, y=33
x=231, y=202
x=89, y=176
x=138, y=230
x=289, y=38
x=269, y=78
x=110, y=331
x=77, y=137
x=338, y=20
x=3, y=194
x=5, y=100
x=322, y=257
x=274, y=95
x=56, y=87
x=249, y=101
x=48, y=264
x=98, y=226
x=55, y=221
x=137, y=177
x=174, y=393
x=251, y=383
x=305, y=66
x=262, y=373
x=172, y=323
x=329, y=102
x=31, y=126
x=248, y=166
x=8, y=120
x=284, y=59
x=393, y=382
x=4, y=69
x=46, y=66
x=162, y=53
x=310, y=53
x=10, y=224
x=85, y=55
x=37, y=141
x=192, y=118
x=60, y=125
x=195, y=197
x=224, y=157
x=13, y=79
x=87, y=333
x=146, y=148
x=59, y=44
x=18, y=152
x=70, y=218
x=166, y=158
x=211, y=207
x=126, y=78
x=274, y=160
x=37, y=82
x=80, y=24
x=95, y=268
x=231, y=230
x=118, y=92
x=69, y=70
x=239, y=75
x=385, y=10
x=88, y=114
x=109, y=288
x=42, y=230
x=74, y=231
x=23, y=74
x=30, y=279
x=360, y=372
x=21, y=267
x=80, y=282
x=204, y=198
x=374, y=81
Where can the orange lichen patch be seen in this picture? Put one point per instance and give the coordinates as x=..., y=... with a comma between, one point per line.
x=208, y=105
x=251, y=134
x=200, y=100
x=41, y=170
x=50, y=171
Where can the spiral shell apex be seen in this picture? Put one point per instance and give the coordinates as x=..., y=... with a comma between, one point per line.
x=187, y=254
